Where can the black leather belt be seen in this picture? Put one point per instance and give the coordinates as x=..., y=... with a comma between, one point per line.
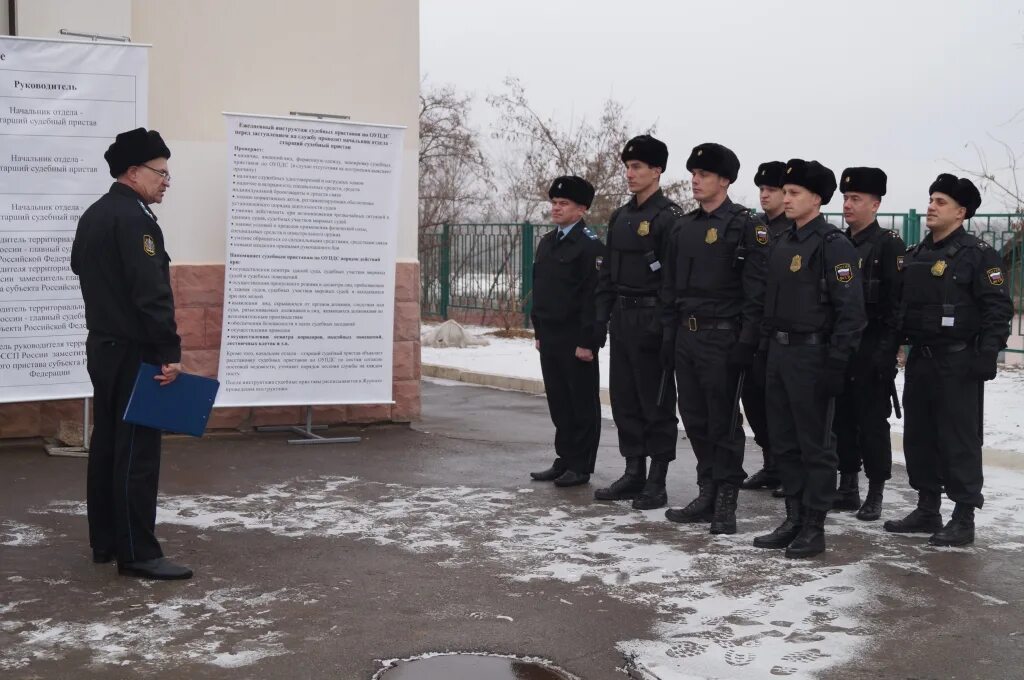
x=698, y=323
x=627, y=302
x=930, y=351
x=784, y=338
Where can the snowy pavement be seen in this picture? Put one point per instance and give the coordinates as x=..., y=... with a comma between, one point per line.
x=516, y=357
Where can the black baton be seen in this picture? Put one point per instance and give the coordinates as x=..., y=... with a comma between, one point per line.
x=895, y=399
x=736, y=405
x=981, y=411
x=830, y=414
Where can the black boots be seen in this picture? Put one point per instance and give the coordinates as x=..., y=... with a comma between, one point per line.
x=872, y=508
x=811, y=539
x=160, y=569
x=762, y=479
x=572, y=478
x=700, y=509
x=925, y=519
x=629, y=485
x=785, y=532
x=724, y=519
x=549, y=475
x=653, y=494
x=848, y=493
x=959, y=530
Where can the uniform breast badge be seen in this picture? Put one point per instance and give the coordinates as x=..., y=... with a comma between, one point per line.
x=644, y=229
x=795, y=263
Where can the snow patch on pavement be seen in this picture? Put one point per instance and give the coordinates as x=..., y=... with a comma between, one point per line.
x=16, y=534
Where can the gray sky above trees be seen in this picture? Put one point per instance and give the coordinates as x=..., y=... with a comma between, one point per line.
x=905, y=85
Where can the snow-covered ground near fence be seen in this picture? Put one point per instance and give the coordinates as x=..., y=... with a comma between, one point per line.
x=516, y=357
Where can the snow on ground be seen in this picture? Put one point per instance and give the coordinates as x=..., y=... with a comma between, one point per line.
x=724, y=610
x=1004, y=414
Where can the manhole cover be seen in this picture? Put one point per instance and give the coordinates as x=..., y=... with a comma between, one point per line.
x=472, y=667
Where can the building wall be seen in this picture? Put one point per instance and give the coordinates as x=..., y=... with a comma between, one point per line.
x=347, y=57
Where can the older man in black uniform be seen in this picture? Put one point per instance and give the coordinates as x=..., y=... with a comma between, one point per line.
x=956, y=312
x=814, y=316
x=564, y=279
x=628, y=288
x=863, y=409
x=712, y=288
x=769, y=179
x=124, y=272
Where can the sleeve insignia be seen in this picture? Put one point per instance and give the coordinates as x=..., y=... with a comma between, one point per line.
x=995, y=276
x=149, y=245
x=844, y=272
x=761, y=234
x=597, y=262
x=899, y=263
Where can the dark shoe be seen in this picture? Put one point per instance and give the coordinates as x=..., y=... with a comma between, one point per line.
x=654, y=494
x=700, y=509
x=959, y=530
x=848, y=493
x=811, y=539
x=724, y=519
x=872, y=508
x=629, y=485
x=572, y=478
x=762, y=479
x=549, y=475
x=161, y=569
x=779, y=492
x=925, y=519
x=102, y=556
x=785, y=532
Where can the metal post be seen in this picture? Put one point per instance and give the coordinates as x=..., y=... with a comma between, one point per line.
x=446, y=270
x=912, y=229
x=526, y=285
x=307, y=433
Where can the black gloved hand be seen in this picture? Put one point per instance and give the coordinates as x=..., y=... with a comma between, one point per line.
x=742, y=355
x=667, y=354
x=600, y=333
x=983, y=365
x=832, y=380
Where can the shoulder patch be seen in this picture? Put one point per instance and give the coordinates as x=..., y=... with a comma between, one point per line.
x=148, y=245
x=995, y=276
x=761, y=233
x=844, y=272
x=899, y=263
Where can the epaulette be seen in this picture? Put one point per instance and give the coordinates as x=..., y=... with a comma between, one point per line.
x=676, y=210
x=589, y=233
x=833, y=235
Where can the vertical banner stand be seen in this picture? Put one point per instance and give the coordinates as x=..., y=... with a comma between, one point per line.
x=76, y=451
x=307, y=433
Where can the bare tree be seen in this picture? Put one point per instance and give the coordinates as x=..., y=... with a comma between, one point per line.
x=1004, y=179
x=547, y=148
x=454, y=174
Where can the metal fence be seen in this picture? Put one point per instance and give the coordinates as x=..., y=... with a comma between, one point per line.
x=483, y=273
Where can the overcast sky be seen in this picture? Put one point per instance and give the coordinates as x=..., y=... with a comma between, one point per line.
x=904, y=85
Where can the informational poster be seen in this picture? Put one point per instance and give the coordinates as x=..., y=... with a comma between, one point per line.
x=310, y=265
x=61, y=105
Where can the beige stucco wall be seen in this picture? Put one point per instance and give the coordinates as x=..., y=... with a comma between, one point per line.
x=350, y=57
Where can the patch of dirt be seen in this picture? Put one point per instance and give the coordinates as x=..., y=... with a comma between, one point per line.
x=512, y=333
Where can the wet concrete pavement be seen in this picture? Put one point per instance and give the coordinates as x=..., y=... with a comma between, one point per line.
x=318, y=561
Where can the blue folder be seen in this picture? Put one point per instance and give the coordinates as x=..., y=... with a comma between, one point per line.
x=183, y=406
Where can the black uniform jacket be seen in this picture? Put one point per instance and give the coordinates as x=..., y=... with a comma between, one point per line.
x=124, y=271
x=564, y=279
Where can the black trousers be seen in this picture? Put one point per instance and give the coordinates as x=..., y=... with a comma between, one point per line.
x=573, y=393
x=707, y=391
x=645, y=428
x=124, y=459
x=756, y=412
x=802, y=438
x=862, y=419
x=942, y=430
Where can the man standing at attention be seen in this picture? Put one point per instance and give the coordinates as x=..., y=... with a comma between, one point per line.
x=124, y=272
x=564, y=279
x=813, y=319
x=862, y=411
x=712, y=301
x=955, y=312
x=627, y=297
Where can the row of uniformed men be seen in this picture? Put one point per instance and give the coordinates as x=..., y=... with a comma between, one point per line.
x=785, y=312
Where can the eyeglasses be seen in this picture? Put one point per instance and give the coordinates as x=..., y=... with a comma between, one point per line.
x=163, y=173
